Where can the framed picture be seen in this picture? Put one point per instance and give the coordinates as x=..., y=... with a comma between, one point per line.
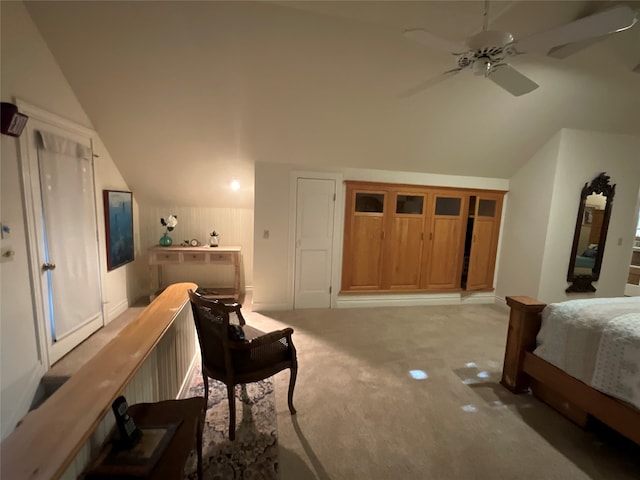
x=588, y=216
x=118, y=216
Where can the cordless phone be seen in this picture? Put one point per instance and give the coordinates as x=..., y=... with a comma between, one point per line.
x=129, y=433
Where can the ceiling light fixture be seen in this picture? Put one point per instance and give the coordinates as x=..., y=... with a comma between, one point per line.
x=235, y=185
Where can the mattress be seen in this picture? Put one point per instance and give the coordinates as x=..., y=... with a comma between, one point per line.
x=596, y=341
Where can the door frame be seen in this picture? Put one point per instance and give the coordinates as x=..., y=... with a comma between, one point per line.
x=338, y=220
x=43, y=332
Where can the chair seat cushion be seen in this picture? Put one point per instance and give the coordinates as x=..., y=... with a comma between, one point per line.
x=251, y=333
x=261, y=357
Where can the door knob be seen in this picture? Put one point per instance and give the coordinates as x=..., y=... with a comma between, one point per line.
x=48, y=266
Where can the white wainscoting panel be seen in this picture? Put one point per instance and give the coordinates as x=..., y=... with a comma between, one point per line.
x=235, y=226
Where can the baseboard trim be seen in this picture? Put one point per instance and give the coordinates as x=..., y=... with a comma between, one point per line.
x=185, y=381
x=502, y=302
x=480, y=298
x=270, y=307
x=118, y=309
x=414, y=300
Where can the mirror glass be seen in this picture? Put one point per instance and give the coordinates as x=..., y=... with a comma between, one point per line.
x=590, y=234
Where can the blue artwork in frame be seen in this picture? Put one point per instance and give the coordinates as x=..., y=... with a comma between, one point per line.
x=118, y=214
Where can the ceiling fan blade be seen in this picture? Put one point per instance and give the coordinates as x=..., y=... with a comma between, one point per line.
x=428, y=83
x=511, y=80
x=437, y=43
x=563, y=51
x=609, y=21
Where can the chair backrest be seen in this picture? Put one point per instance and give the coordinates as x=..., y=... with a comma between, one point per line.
x=212, y=325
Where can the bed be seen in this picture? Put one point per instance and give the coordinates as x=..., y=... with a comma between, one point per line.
x=582, y=357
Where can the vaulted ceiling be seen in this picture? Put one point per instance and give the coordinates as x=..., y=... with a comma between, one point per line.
x=192, y=94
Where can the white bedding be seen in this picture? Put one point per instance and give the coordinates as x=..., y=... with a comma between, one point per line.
x=596, y=341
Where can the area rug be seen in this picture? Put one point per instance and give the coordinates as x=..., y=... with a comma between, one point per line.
x=254, y=453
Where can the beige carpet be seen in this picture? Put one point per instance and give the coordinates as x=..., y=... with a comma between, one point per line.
x=254, y=452
x=361, y=415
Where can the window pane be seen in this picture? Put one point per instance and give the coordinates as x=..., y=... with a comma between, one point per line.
x=448, y=206
x=409, y=204
x=487, y=208
x=369, y=202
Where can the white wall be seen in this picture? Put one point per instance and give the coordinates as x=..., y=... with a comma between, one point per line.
x=273, y=257
x=525, y=226
x=20, y=368
x=542, y=209
x=582, y=156
x=30, y=72
x=119, y=287
x=273, y=260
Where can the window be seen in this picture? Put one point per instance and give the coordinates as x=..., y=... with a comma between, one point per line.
x=448, y=206
x=409, y=204
x=370, y=202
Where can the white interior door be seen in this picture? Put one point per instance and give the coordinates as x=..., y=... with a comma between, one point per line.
x=315, y=204
x=65, y=257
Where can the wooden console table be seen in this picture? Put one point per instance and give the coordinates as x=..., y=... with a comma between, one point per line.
x=214, y=256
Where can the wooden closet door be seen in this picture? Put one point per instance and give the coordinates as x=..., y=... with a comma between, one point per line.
x=363, y=240
x=403, y=247
x=484, y=243
x=444, y=247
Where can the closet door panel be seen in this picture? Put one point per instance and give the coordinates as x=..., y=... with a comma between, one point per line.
x=443, y=271
x=486, y=228
x=363, y=237
x=480, y=258
x=404, y=252
x=443, y=264
x=366, y=252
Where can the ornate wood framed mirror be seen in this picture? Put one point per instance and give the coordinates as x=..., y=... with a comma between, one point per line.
x=596, y=201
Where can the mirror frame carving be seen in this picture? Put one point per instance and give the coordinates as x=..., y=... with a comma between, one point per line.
x=582, y=282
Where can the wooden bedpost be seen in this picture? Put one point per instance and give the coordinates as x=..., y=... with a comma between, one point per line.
x=524, y=323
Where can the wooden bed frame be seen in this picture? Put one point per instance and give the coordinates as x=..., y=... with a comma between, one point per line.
x=571, y=397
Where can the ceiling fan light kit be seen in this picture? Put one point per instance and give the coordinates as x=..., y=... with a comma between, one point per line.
x=485, y=53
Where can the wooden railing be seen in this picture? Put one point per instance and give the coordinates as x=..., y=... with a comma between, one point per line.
x=148, y=361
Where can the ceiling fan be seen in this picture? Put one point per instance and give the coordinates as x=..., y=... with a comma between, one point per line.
x=486, y=52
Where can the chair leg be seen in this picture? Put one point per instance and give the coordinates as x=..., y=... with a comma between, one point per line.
x=232, y=411
x=199, y=440
x=292, y=384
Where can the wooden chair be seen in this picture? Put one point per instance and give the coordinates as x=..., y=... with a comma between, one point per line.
x=234, y=360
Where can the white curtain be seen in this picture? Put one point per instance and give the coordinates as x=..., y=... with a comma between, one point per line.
x=68, y=204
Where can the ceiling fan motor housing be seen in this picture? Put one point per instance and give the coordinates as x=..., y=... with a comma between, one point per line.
x=487, y=49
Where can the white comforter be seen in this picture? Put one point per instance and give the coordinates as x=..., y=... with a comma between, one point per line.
x=596, y=341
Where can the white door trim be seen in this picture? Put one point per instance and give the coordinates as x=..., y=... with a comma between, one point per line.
x=32, y=220
x=338, y=215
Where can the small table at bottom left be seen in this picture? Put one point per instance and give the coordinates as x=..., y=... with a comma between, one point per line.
x=187, y=413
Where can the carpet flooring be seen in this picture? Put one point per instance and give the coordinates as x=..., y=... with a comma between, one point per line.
x=414, y=393
x=254, y=452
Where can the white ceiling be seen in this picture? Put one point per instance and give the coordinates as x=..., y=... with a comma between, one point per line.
x=196, y=92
